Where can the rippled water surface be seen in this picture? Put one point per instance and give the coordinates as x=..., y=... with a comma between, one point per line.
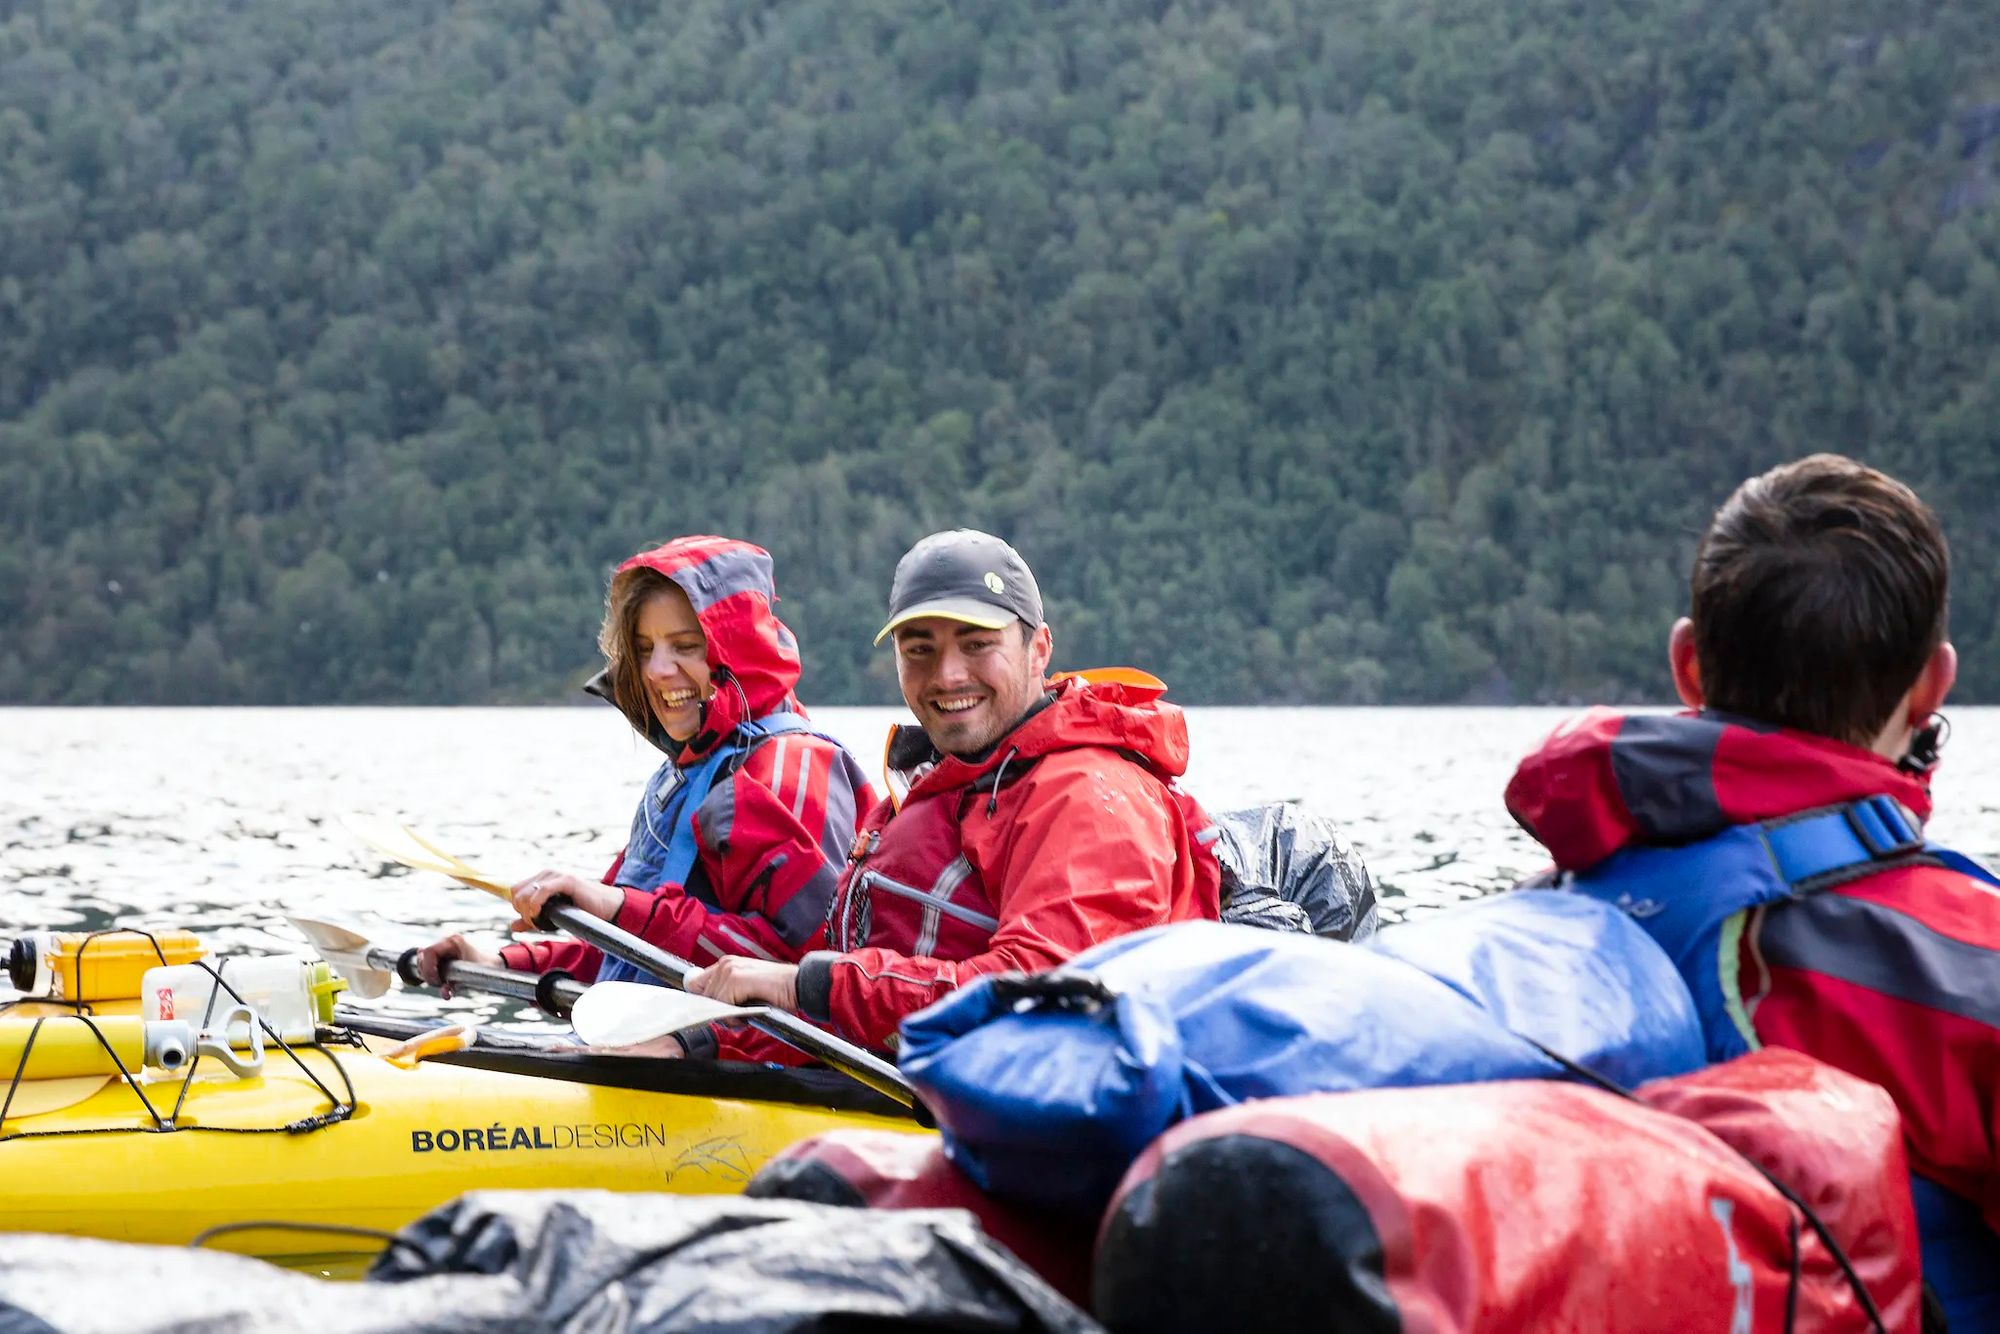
x=221, y=819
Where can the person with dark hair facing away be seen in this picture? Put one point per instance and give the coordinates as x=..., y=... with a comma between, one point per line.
x=1041, y=816
x=1771, y=838
x=739, y=837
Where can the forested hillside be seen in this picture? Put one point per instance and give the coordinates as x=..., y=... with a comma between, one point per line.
x=1312, y=350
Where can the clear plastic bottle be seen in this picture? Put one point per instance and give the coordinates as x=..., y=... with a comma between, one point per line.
x=291, y=993
x=94, y=965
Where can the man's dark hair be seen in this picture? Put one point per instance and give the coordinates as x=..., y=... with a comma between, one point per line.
x=1818, y=596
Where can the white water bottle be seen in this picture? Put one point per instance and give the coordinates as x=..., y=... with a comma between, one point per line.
x=293, y=994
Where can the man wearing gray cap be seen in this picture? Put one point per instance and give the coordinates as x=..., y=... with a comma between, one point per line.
x=1037, y=816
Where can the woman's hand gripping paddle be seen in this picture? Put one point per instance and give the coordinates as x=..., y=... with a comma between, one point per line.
x=400, y=844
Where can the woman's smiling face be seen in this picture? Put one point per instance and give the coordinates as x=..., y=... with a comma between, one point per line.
x=672, y=654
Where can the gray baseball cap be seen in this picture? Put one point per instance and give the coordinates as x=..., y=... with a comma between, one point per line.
x=963, y=575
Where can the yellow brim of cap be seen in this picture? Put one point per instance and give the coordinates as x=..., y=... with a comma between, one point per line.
x=963, y=610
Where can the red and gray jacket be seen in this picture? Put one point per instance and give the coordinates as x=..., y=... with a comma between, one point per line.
x=1788, y=877
x=1071, y=832
x=769, y=835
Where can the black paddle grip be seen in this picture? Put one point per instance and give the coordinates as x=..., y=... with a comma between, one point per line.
x=406, y=968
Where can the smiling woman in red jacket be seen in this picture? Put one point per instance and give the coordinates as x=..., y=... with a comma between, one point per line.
x=738, y=840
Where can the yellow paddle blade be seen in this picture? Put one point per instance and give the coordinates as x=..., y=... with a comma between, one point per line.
x=433, y=848
x=33, y=1097
x=398, y=844
x=435, y=1042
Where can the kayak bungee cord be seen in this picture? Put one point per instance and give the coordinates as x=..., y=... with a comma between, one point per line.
x=27, y=1049
x=341, y=1110
x=338, y=1110
x=159, y=1126
x=80, y=1006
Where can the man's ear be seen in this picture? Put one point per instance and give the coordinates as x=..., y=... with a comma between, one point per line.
x=1041, y=648
x=1933, y=684
x=1683, y=663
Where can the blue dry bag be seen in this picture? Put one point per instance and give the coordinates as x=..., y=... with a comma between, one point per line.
x=1048, y=1086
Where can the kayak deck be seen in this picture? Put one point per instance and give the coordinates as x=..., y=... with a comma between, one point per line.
x=275, y=1148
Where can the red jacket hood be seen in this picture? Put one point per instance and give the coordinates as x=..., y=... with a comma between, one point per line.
x=752, y=656
x=1118, y=717
x=1605, y=781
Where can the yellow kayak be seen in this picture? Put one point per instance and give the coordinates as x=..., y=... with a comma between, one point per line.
x=341, y=1138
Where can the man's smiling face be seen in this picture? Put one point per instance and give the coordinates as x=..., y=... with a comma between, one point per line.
x=968, y=685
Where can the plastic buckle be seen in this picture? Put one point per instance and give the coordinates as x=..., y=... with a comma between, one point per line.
x=1883, y=827
x=1057, y=989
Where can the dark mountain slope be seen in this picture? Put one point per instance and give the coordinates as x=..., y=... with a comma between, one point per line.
x=1333, y=350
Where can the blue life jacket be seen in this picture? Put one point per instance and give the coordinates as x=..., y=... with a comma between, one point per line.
x=1693, y=900
x=661, y=849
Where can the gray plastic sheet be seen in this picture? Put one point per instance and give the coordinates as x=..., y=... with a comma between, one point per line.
x=572, y=1261
x=1287, y=868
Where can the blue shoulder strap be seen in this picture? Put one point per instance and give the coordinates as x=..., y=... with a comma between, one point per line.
x=673, y=826
x=773, y=723
x=686, y=798
x=1835, y=845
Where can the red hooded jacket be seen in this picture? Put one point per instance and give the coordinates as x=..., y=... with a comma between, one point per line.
x=772, y=836
x=1071, y=832
x=1894, y=977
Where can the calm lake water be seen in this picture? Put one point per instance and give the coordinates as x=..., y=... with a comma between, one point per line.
x=221, y=819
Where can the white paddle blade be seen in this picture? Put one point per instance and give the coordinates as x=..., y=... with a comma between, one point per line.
x=619, y=1014
x=344, y=939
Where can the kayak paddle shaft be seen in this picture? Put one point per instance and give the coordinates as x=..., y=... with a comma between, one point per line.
x=534, y=988
x=398, y=842
x=851, y=1060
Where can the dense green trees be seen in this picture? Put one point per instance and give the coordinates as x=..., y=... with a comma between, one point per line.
x=1321, y=350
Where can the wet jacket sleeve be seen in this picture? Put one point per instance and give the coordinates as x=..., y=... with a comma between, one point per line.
x=1890, y=979
x=539, y=956
x=772, y=842
x=1090, y=850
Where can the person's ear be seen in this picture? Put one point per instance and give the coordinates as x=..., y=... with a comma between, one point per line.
x=1041, y=648
x=1933, y=684
x=1684, y=663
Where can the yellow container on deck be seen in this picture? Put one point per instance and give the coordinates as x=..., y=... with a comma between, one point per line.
x=95, y=965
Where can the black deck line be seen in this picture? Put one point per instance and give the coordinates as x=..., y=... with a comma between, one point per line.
x=519, y=1054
